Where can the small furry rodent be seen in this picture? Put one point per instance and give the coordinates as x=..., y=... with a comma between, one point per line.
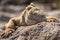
x=30, y=16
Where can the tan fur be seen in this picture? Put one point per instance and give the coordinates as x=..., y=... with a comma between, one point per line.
x=30, y=16
x=51, y=19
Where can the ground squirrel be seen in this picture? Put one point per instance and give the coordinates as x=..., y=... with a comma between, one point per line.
x=30, y=16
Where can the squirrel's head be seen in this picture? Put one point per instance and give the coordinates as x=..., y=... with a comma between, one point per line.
x=34, y=15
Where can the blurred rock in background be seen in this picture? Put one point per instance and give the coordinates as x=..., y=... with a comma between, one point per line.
x=13, y=8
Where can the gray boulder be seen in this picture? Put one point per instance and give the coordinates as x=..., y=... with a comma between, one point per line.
x=40, y=31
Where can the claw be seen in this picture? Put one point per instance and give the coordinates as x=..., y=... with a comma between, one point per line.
x=52, y=19
x=6, y=34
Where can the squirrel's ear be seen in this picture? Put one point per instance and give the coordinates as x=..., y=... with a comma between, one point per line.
x=30, y=6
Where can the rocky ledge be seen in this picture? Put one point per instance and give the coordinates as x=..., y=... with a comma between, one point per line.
x=40, y=31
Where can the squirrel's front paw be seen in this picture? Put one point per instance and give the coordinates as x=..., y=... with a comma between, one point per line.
x=6, y=34
x=52, y=19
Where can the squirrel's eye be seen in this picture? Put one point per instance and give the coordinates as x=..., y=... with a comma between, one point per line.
x=34, y=13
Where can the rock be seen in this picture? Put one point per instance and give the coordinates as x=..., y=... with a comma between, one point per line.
x=15, y=2
x=54, y=13
x=12, y=8
x=40, y=31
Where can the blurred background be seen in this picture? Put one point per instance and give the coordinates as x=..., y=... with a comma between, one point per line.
x=13, y=8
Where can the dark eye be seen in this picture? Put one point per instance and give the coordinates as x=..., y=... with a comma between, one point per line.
x=34, y=13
